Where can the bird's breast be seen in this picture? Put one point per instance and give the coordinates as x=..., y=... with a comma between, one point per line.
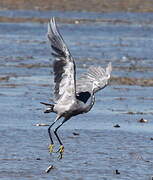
x=68, y=110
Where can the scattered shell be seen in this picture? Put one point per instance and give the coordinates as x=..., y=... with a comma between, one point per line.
x=41, y=124
x=117, y=126
x=49, y=168
x=143, y=120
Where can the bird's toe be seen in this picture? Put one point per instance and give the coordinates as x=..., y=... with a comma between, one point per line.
x=51, y=148
x=61, y=151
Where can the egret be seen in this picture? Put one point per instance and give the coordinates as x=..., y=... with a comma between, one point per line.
x=72, y=97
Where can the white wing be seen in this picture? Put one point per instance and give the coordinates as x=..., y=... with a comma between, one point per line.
x=94, y=80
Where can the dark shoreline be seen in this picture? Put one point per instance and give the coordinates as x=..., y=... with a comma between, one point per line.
x=88, y=5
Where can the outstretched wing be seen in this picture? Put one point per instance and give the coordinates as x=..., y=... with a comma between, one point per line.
x=94, y=80
x=63, y=66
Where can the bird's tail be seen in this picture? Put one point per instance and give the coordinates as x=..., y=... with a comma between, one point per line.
x=50, y=107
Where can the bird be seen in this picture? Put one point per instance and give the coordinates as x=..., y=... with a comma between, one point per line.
x=71, y=96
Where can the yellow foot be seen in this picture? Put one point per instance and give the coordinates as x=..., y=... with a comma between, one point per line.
x=61, y=151
x=51, y=147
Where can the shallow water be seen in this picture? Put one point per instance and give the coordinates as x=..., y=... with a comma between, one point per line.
x=99, y=149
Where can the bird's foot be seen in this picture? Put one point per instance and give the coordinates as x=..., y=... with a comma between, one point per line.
x=51, y=147
x=61, y=151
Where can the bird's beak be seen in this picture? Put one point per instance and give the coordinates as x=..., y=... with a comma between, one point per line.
x=47, y=104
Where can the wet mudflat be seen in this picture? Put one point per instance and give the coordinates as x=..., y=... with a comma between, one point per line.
x=94, y=148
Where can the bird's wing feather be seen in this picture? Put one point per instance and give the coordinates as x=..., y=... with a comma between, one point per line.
x=95, y=79
x=63, y=66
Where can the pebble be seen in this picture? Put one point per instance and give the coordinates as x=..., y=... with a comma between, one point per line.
x=143, y=120
x=76, y=134
x=117, y=172
x=117, y=126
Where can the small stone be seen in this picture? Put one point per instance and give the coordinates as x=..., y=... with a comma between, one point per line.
x=143, y=120
x=76, y=134
x=117, y=126
x=117, y=172
x=151, y=138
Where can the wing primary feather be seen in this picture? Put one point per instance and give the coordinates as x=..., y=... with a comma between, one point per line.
x=109, y=69
x=63, y=66
x=95, y=79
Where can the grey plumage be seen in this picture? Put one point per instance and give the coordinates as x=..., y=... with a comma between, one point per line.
x=72, y=97
x=63, y=66
x=94, y=80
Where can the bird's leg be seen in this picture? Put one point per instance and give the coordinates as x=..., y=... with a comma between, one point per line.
x=61, y=148
x=51, y=146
